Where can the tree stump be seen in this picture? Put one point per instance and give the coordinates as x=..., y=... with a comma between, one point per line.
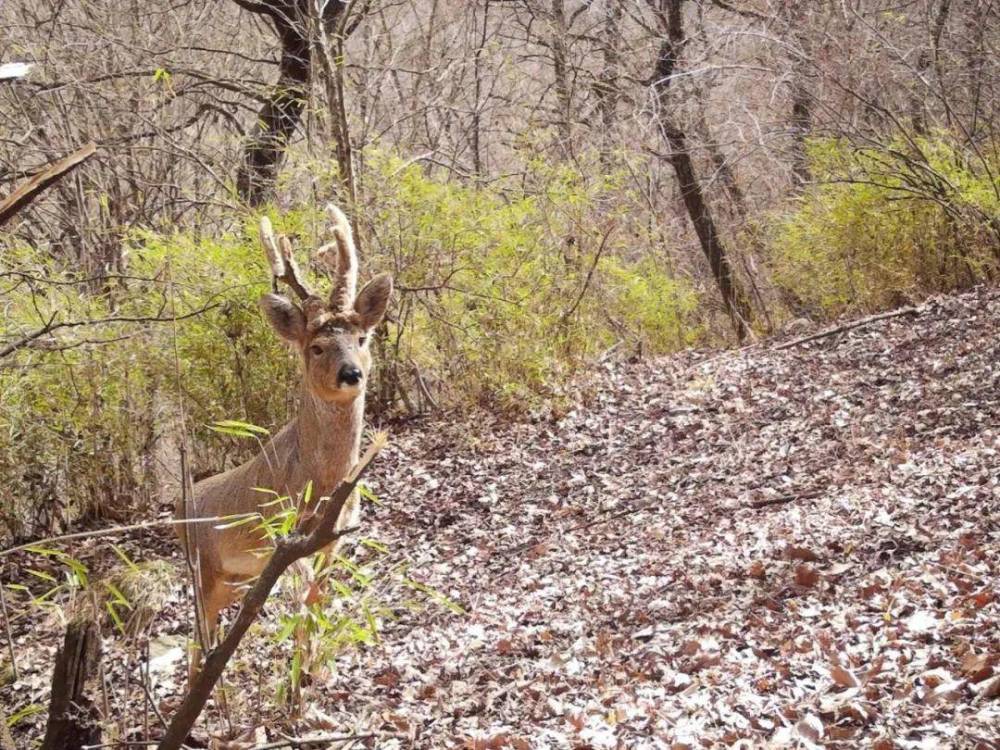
x=74, y=719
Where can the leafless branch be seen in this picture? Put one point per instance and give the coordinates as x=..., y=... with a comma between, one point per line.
x=52, y=325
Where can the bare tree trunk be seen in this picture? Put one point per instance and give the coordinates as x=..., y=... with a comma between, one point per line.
x=796, y=19
x=477, y=64
x=330, y=50
x=976, y=57
x=607, y=80
x=928, y=66
x=557, y=43
x=704, y=227
x=939, y=23
x=723, y=168
x=281, y=114
x=694, y=198
x=801, y=124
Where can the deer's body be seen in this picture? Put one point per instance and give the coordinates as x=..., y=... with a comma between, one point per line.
x=320, y=445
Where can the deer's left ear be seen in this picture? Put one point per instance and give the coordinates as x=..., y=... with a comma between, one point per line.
x=372, y=301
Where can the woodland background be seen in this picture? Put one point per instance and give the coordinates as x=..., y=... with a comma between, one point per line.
x=553, y=183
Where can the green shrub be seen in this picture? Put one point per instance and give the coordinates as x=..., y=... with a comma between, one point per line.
x=80, y=417
x=502, y=295
x=887, y=224
x=662, y=310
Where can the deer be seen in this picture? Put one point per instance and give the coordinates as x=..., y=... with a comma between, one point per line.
x=319, y=446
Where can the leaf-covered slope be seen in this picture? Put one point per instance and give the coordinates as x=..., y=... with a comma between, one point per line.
x=795, y=546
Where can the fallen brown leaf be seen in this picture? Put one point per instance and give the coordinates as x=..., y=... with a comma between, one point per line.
x=806, y=576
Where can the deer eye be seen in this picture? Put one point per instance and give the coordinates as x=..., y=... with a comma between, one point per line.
x=316, y=350
x=362, y=340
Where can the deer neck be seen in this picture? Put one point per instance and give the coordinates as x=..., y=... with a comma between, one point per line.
x=329, y=437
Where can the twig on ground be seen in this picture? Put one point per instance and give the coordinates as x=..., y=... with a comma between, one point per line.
x=610, y=350
x=811, y=495
x=848, y=326
x=124, y=743
x=146, y=688
x=650, y=505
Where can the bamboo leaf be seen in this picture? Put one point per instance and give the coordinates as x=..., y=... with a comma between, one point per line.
x=238, y=429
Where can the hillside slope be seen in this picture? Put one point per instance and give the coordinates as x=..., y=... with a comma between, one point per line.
x=774, y=546
x=758, y=548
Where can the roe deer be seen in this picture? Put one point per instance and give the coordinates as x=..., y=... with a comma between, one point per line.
x=320, y=445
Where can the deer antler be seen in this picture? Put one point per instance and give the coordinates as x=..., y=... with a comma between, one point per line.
x=282, y=260
x=345, y=268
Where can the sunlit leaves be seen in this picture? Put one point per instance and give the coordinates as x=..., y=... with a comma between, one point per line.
x=237, y=428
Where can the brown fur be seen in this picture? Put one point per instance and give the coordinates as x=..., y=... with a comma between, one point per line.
x=319, y=445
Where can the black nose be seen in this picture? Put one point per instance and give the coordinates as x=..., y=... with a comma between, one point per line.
x=349, y=374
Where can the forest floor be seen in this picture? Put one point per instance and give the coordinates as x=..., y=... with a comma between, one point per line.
x=752, y=548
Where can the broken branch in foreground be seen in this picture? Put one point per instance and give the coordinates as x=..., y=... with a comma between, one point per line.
x=286, y=551
x=28, y=191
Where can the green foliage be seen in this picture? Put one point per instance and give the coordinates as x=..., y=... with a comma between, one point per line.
x=82, y=419
x=661, y=309
x=342, y=604
x=237, y=428
x=60, y=585
x=503, y=294
x=226, y=361
x=888, y=224
x=74, y=579
x=23, y=713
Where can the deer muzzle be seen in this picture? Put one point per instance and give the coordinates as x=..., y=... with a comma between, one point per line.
x=349, y=375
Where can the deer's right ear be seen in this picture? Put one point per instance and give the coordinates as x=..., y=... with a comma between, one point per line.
x=286, y=318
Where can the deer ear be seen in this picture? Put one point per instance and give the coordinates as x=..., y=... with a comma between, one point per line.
x=285, y=317
x=371, y=302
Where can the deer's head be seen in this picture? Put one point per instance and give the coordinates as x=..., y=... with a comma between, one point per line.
x=330, y=334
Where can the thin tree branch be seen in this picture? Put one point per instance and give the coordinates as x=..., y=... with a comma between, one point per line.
x=320, y=739
x=121, y=530
x=51, y=325
x=26, y=193
x=745, y=12
x=590, y=274
x=294, y=547
x=853, y=324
